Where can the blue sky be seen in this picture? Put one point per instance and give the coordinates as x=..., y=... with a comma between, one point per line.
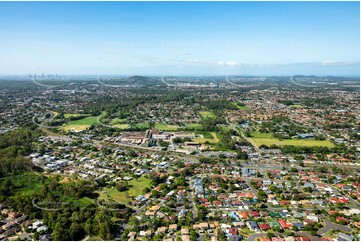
x=257, y=38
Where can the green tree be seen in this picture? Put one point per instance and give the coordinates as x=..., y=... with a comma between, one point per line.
x=122, y=186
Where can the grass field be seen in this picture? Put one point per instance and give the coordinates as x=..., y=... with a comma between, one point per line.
x=65, y=180
x=94, y=238
x=79, y=125
x=82, y=202
x=207, y=114
x=226, y=128
x=118, y=121
x=28, y=183
x=241, y=107
x=296, y=106
x=123, y=197
x=121, y=126
x=69, y=115
x=194, y=126
x=166, y=127
x=142, y=125
x=214, y=140
x=268, y=139
x=273, y=224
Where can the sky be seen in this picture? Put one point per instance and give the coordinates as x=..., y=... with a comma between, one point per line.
x=180, y=38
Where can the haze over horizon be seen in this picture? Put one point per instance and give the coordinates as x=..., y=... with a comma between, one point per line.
x=180, y=38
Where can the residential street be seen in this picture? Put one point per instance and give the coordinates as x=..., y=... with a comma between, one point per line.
x=332, y=226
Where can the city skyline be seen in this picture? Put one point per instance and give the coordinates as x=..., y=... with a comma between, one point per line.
x=181, y=38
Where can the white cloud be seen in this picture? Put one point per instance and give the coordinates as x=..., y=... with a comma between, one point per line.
x=193, y=61
x=333, y=63
x=327, y=63
x=227, y=63
x=196, y=61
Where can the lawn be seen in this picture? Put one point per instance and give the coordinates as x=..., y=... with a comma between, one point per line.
x=213, y=140
x=114, y=194
x=268, y=139
x=241, y=107
x=166, y=127
x=137, y=187
x=79, y=125
x=207, y=114
x=246, y=231
x=273, y=224
x=194, y=126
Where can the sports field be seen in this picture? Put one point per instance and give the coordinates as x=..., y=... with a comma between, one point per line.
x=268, y=139
x=194, y=126
x=79, y=125
x=69, y=115
x=207, y=114
x=166, y=127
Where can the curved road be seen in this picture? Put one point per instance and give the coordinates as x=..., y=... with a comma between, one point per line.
x=234, y=84
x=43, y=85
x=166, y=83
x=301, y=85
x=332, y=226
x=254, y=236
x=48, y=120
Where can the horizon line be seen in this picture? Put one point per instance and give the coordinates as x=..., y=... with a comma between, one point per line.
x=175, y=75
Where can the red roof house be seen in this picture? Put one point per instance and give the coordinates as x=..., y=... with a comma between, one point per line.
x=264, y=226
